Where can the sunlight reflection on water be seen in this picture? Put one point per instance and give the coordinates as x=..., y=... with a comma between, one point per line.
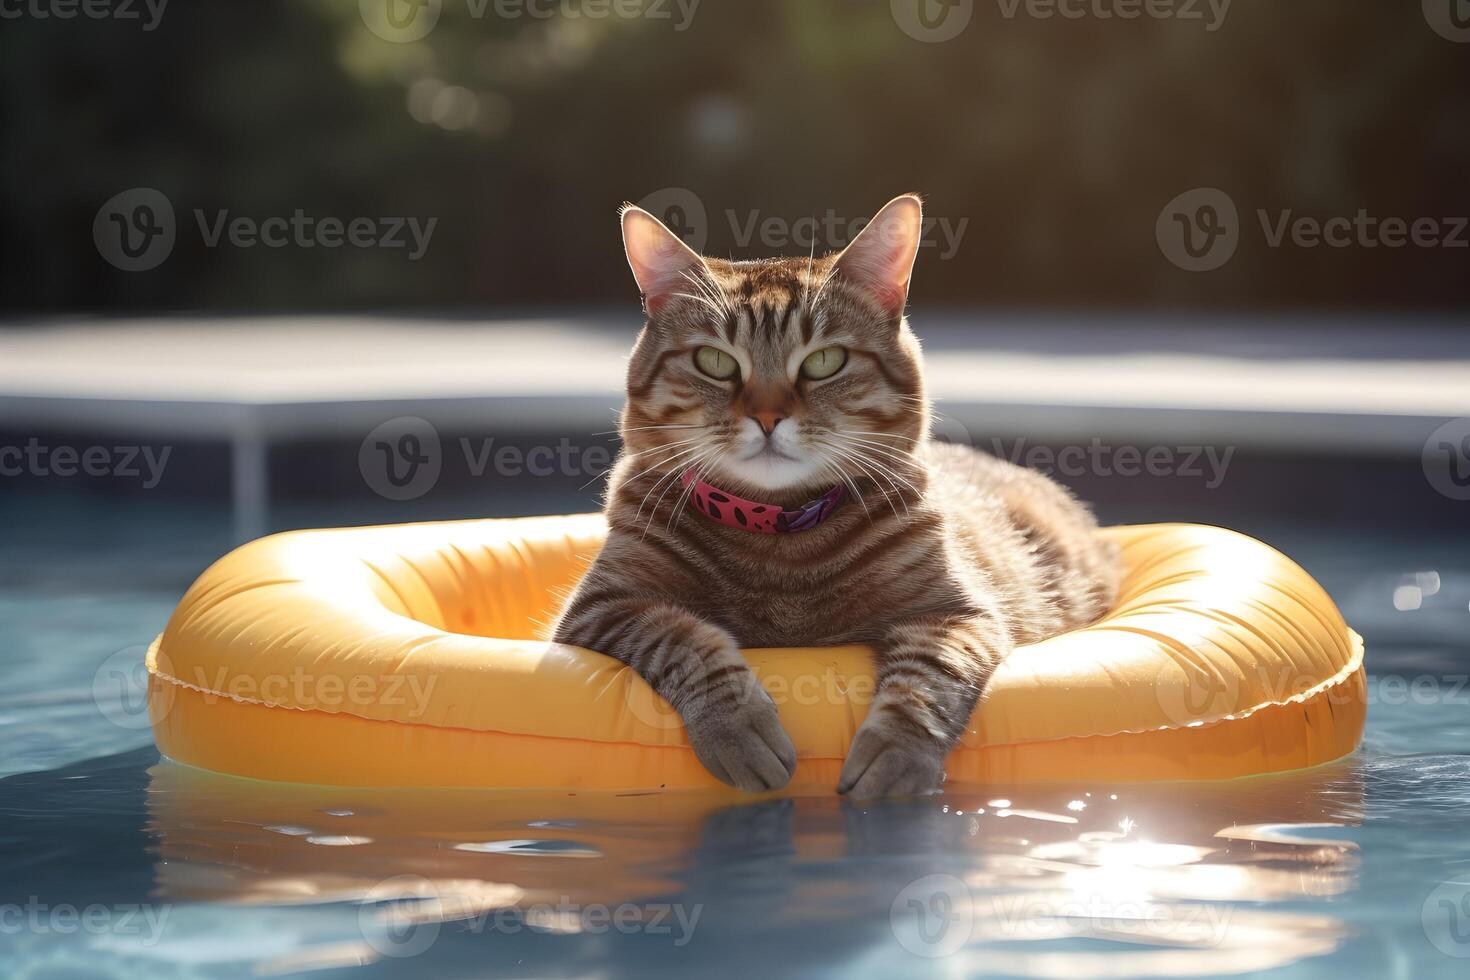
x=1141, y=881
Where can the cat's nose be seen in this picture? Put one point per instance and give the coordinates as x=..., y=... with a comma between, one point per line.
x=767, y=421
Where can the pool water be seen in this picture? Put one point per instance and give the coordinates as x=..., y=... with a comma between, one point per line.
x=114, y=863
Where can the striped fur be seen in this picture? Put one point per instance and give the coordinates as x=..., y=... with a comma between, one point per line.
x=945, y=560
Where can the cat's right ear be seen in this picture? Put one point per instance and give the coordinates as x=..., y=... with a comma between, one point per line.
x=660, y=261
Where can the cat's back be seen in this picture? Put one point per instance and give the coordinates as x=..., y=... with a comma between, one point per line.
x=1033, y=537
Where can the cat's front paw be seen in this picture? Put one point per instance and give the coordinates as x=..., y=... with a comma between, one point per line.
x=890, y=757
x=745, y=746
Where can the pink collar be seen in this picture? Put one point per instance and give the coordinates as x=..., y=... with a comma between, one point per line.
x=752, y=515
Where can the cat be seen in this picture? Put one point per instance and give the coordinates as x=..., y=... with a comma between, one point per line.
x=778, y=487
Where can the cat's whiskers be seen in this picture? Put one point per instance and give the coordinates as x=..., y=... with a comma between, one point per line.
x=826, y=281
x=668, y=481
x=844, y=478
x=866, y=450
x=672, y=480
x=806, y=283
x=663, y=462
x=882, y=435
x=850, y=457
x=659, y=426
x=710, y=293
x=699, y=472
x=899, y=454
x=901, y=450
x=634, y=454
x=700, y=299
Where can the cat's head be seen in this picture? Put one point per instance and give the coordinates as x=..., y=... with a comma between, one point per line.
x=778, y=374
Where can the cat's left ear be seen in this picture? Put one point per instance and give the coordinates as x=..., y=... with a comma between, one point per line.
x=660, y=261
x=880, y=259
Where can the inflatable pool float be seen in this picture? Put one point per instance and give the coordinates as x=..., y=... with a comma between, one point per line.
x=412, y=655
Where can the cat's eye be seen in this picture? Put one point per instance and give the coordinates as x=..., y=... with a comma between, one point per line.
x=823, y=363
x=716, y=363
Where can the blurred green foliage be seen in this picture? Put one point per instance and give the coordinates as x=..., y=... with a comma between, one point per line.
x=1056, y=140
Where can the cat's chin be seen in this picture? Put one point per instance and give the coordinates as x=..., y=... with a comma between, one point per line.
x=769, y=474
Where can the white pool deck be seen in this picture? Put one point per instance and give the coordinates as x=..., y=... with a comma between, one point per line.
x=1360, y=384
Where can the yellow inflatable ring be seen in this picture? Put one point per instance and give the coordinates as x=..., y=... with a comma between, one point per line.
x=409, y=656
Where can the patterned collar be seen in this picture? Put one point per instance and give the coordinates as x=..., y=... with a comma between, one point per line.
x=752, y=515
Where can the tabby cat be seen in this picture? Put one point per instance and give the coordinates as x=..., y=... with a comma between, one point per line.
x=778, y=487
